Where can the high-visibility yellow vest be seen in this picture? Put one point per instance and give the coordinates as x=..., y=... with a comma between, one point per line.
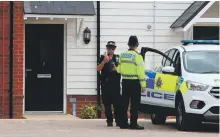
x=131, y=66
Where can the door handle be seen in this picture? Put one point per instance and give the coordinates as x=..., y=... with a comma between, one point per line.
x=28, y=69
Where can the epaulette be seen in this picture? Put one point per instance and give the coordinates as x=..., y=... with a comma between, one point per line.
x=137, y=52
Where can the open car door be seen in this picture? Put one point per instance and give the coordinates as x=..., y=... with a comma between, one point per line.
x=147, y=49
x=161, y=84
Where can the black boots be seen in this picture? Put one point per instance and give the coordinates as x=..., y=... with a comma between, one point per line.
x=137, y=127
x=124, y=126
x=127, y=126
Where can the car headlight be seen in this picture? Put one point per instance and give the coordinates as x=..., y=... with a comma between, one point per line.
x=194, y=86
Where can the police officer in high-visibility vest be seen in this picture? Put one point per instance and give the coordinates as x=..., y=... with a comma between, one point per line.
x=131, y=67
x=110, y=83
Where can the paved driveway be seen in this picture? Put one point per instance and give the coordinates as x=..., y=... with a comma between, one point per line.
x=95, y=128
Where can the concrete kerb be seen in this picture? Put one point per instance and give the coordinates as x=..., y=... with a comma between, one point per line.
x=72, y=119
x=68, y=117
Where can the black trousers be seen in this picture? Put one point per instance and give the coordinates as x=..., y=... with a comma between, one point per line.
x=131, y=91
x=111, y=97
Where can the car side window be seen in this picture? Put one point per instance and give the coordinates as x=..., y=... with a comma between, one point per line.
x=175, y=54
x=170, y=55
x=177, y=63
x=164, y=59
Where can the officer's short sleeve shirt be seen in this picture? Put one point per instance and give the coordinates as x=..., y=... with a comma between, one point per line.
x=107, y=72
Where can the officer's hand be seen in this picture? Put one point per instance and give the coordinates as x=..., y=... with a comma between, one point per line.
x=106, y=59
x=143, y=90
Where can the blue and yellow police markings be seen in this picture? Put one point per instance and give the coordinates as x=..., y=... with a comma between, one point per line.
x=156, y=87
x=179, y=82
x=149, y=81
x=181, y=85
x=161, y=89
x=165, y=82
x=127, y=55
x=160, y=95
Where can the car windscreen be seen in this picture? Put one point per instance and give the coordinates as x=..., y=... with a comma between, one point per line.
x=201, y=61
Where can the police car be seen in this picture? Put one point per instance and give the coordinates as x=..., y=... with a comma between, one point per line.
x=185, y=85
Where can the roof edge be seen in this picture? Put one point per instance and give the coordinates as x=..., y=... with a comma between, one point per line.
x=56, y=16
x=207, y=2
x=28, y=9
x=171, y=26
x=190, y=17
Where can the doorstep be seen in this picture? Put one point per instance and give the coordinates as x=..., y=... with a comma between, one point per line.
x=49, y=117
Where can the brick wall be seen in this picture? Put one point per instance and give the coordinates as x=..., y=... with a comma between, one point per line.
x=4, y=58
x=85, y=99
x=18, y=59
x=80, y=100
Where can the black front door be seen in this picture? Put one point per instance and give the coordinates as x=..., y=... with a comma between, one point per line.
x=44, y=67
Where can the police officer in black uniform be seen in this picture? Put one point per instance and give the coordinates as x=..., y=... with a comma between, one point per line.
x=110, y=83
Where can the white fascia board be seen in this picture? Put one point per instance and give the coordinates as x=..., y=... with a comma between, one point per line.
x=209, y=20
x=57, y=16
x=179, y=29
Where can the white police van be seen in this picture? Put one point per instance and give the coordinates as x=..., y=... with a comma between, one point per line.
x=185, y=85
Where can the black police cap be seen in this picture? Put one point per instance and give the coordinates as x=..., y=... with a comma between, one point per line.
x=133, y=41
x=111, y=44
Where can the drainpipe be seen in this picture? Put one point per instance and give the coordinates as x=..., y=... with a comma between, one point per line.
x=154, y=38
x=3, y=50
x=98, y=56
x=11, y=60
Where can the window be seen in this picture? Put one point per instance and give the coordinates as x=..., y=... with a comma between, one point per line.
x=177, y=63
x=164, y=59
x=201, y=61
x=206, y=32
x=176, y=57
x=175, y=54
x=171, y=53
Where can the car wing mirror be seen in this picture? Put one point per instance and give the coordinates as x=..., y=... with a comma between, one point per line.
x=168, y=70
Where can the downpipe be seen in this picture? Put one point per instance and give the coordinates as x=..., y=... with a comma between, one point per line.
x=11, y=60
x=154, y=33
x=3, y=54
x=98, y=56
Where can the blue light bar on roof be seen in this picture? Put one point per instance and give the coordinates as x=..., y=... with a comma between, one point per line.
x=185, y=42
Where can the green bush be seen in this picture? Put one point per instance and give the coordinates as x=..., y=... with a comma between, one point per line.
x=88, y=111
x=100, y=108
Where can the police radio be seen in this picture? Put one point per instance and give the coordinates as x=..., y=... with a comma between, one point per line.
x=105, y=54
x=116, y=60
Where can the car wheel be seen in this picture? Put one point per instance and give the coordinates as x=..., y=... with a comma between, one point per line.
x=158, y=119
x=181, y=116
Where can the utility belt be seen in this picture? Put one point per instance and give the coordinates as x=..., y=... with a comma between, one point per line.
x=129, y=76
x=105, y=80
x=132, y=77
